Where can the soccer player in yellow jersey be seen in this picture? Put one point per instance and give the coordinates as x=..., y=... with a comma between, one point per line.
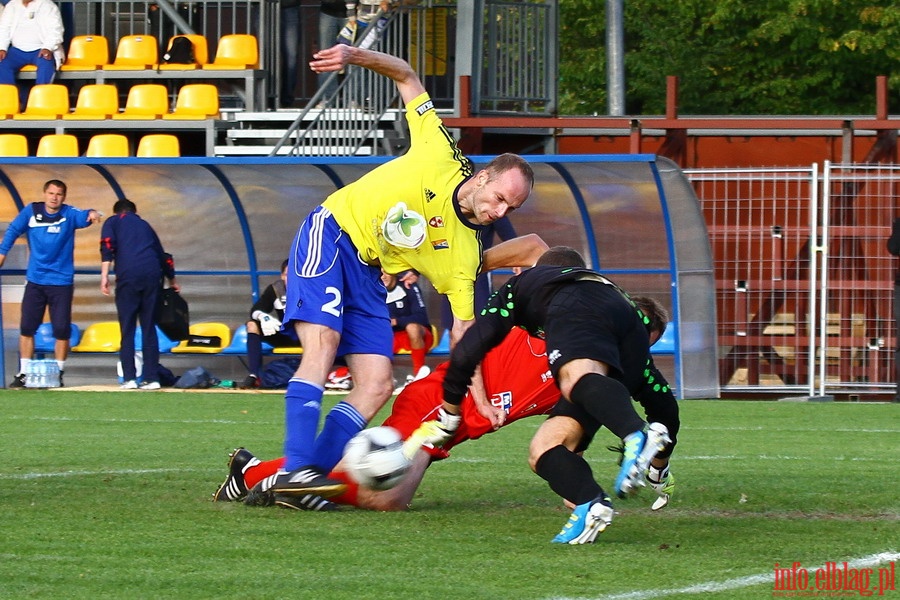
x=423, y=211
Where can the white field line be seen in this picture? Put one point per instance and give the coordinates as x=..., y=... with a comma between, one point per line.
x=738, y=582
x=185, y=421
x=27, y=476
x=766, y=428
x=678, y=458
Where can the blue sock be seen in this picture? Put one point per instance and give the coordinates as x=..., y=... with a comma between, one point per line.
x=341, y=424
x=302, y=408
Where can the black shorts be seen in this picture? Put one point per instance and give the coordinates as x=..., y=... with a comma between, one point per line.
x=35, y=301
x=593, y=320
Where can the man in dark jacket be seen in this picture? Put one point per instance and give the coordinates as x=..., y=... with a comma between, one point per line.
x=141, y=264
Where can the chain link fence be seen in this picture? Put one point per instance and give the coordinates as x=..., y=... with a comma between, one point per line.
x=804, y=282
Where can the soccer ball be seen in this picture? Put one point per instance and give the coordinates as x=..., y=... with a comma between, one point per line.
x=374, y=458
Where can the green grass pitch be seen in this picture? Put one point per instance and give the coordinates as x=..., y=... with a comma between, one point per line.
x=107, y=495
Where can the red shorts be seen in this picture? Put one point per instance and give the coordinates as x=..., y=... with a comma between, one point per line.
x=401, y=341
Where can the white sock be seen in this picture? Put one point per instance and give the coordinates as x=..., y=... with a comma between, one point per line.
x=23, y=364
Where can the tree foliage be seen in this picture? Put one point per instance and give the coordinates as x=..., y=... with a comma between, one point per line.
x=734, y=56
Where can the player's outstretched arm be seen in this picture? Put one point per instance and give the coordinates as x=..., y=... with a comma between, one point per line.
x=339, y=56
x=522, y=251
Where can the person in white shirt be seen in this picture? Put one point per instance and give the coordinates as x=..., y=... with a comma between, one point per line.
x=31, y=33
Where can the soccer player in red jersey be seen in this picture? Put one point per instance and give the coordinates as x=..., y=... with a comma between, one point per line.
x=518, y=384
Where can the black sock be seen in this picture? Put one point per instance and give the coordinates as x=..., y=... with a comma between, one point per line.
x=254, y=353
x=608, y=401
x=568, y=474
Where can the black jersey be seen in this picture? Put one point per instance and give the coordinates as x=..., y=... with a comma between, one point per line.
x=593, y=319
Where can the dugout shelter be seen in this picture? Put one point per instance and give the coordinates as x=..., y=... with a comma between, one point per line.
x=229, y=223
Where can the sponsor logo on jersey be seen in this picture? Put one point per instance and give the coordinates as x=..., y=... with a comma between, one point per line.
x=553, y=356
x=50, y=226
x=429, y=195
x=440, y=244
x=424, y=107
x=436, y=222
x=502, y=400
x=403, y=228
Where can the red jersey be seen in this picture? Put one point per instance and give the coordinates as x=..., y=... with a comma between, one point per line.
x=516, y=377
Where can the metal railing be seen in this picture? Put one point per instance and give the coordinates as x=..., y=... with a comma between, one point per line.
x=515, y=68
x=514, y=71
x=163, y=19
x=344, y=115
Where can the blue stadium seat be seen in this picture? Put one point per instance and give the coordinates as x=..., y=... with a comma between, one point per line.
x=665, y=344
x=44, y=342
x=238, y=343
x=443, y=346
x=162, y=340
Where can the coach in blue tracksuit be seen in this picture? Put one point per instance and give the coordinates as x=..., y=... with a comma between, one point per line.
x=50, y=226
x=141, y=264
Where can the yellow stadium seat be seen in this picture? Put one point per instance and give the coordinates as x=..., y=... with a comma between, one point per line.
x=9, y=101
x=13, y=144
x=96, y=101
x=195, y=101
x=46, y=101
x=135, y=52
x=58, y=145
x=104, y=336
x=287, y=350
x=158, y=145
x=86, y=53
x=107, y=145
x=201, y=54
x=220, y=330
x=145, y=101
x=235, y=51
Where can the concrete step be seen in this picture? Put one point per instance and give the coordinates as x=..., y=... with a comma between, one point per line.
x=265, y=150
x=261, y=134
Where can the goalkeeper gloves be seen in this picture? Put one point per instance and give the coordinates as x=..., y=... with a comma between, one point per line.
x=434, y=433
x=269, y=324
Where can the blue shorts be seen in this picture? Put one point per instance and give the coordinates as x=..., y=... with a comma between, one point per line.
x=328, y=284
x=35, y=301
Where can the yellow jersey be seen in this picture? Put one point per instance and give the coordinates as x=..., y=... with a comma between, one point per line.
x=404, y=214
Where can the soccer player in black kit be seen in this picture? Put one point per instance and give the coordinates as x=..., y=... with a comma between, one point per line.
x=598, y=349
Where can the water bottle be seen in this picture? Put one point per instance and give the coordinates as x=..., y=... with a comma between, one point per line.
x=41, y=374
x=52, y=374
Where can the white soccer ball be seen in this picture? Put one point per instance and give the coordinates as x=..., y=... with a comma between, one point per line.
x=374, y=458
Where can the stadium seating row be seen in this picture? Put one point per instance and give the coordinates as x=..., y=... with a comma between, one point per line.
x=105, y=337
x=100, y=101
x=101, y=145
x=139, y=52
x=137, y=57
